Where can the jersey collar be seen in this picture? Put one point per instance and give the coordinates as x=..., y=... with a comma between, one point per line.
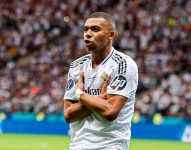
x=107, y=58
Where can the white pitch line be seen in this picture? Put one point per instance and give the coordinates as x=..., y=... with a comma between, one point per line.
x=39, y=146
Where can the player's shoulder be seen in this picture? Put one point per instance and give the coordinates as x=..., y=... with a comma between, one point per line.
x=121, y=56
x=124, y=61
x=80, y=61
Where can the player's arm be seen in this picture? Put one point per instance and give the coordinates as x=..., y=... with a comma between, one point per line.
x=109, y=109
x=74, y=110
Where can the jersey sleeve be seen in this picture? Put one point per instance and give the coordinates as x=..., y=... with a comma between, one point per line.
x=124, y=84
x=70, y=87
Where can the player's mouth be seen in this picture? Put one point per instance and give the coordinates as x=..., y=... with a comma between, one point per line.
x=87, y=42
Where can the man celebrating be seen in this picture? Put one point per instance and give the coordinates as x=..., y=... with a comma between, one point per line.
x=100, y=94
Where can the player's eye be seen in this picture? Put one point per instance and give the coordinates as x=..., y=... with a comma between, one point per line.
x=85, y=29
x=96, y=29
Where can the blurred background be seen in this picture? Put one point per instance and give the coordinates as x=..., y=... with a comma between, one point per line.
x=40, y=38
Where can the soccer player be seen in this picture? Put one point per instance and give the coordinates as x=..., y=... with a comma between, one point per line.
x=100, y=93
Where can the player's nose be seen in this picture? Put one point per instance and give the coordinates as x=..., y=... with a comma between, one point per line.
x=88, y=34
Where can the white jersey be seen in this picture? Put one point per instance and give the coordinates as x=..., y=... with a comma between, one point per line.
x=94, y=132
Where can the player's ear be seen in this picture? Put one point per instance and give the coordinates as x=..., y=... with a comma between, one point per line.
x=111, y=35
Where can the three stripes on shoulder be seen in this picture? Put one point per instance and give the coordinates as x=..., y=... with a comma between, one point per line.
x=80, y=61
x=122, y=63
x=116, y=57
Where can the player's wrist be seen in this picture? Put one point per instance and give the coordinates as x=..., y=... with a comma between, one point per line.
x=77, y=94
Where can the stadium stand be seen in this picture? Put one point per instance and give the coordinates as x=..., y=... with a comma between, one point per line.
x=39, y=40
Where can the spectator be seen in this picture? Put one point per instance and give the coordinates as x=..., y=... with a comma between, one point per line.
x=39, y=39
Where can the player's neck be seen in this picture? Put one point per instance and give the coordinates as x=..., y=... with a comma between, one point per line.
x=98, y=57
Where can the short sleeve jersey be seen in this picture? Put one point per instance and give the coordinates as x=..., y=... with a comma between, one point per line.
x=95, y=132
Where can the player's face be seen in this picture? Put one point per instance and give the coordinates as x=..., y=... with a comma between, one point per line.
x=96, y=34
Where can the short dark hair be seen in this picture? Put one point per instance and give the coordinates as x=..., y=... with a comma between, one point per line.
x=105, y=16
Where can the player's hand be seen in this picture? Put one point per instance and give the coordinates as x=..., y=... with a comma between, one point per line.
x=103, y=93
x=80, y=83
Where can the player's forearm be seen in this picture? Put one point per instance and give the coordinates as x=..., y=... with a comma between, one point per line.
x=99, y=106
x=76, y=112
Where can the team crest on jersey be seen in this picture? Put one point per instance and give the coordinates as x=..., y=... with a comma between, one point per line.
x=103, y=77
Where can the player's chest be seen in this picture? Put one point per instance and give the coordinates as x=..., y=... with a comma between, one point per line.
x=95, y=78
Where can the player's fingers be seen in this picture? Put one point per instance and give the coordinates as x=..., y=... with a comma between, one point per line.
x=81, y=76
x=104, y=88
x=108, y=80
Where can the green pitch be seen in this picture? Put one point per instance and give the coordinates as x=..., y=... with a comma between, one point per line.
x=39, y=142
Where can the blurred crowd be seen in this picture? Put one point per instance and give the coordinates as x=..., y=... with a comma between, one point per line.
x=155, y=33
